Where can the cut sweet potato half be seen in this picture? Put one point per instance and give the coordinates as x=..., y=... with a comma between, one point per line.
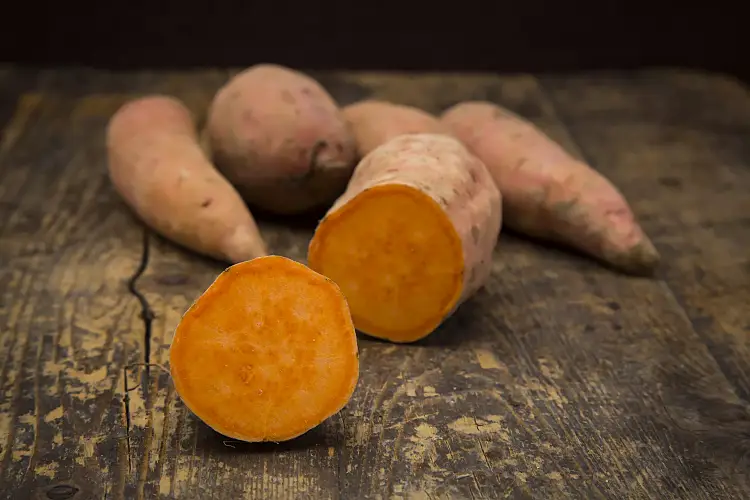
x=412, y=237
x=268, y=352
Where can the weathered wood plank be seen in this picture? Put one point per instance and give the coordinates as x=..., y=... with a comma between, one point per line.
x=550, y=383
x=150, y=473
x=67, y=324
x=12, y=83
x=15, y=107
x=678, y=144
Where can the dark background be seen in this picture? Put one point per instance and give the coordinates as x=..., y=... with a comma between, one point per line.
x=509, y=36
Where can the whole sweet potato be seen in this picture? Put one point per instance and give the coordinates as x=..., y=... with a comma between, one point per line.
x=156, y=164
x=280, y=139
x=547, y=193
x=375, y=122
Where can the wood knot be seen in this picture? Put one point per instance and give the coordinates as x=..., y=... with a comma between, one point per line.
x=62, y=492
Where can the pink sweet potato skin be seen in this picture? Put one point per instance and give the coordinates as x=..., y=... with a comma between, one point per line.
x=280, y=139
x=157, y=166
x=375, y=122
x=547, y=193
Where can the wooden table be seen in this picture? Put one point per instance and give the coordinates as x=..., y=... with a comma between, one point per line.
x=560, y=379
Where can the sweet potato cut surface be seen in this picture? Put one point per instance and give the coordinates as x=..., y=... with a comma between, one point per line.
x=384, y=259
x=547, y=193
x=375, y=122
x=267, y=353
x=412, y=237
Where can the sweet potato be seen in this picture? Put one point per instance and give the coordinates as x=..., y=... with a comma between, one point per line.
x=547, y=193
x=156, y=164
x=267, y=352
x=280, y=138
x=375, y=122
x=412, y=237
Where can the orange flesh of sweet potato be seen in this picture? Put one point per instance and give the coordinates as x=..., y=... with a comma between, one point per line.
x=384, y=258
x=157, y=166
x=267, y=352
x=375, y=122
x=547, y=193
x=412, y=237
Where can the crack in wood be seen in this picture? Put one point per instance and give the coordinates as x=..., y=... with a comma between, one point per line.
x=126, y=402
x=147, y=315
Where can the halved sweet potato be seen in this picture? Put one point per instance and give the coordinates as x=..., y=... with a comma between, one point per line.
x=267, y=352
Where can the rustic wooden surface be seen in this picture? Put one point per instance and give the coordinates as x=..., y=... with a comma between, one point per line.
x=561, y=380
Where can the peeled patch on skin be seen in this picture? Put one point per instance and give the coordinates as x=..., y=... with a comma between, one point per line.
x=412, y=237
x=280, y=138
x=268, y=352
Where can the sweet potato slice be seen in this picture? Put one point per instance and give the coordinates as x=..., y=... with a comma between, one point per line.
x=412, y=237
x=267, y=352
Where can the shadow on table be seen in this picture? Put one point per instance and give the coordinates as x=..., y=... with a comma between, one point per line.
x=210, y=441
x=463, y=327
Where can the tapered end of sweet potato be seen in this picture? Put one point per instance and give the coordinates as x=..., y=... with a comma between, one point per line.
x=245, y=243
x=397, y=258
x=641, y=260
x=267, y=353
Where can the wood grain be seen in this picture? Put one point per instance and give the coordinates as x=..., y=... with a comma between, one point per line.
x=685, y=161
x=562, y=379
x=67, y=324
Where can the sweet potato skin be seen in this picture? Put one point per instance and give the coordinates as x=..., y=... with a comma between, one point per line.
x=157, y=166
x=441, y=167
x=280, y=139
x=375, y=122
x=547, y=193
x=326, y=403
